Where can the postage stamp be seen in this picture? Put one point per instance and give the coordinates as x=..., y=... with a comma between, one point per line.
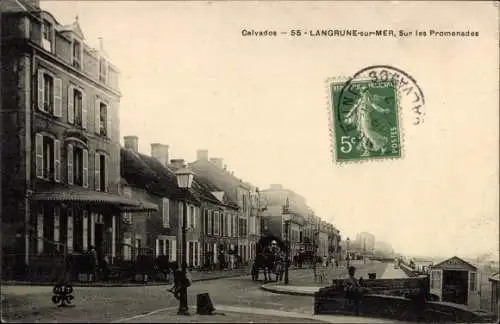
x=365, y=120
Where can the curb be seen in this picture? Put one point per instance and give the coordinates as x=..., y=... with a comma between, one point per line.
x=106, y=285
x=268, y=287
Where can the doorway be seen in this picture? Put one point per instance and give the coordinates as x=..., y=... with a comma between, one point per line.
x=99, y=239
x=455, y=286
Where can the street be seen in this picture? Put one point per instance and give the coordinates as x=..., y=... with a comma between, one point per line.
x=235, y=299
x=93, y=304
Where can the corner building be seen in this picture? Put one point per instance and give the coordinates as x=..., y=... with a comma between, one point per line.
x=60, y=138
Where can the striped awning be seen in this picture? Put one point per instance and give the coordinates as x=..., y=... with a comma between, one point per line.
x=95, y=197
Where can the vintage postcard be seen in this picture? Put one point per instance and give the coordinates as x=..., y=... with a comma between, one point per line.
x=249, y=161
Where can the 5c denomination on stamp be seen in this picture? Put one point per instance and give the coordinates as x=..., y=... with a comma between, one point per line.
x=365, y=120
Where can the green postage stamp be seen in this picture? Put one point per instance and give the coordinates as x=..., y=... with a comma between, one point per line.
x=365, y=120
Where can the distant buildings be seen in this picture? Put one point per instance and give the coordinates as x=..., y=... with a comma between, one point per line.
x=306, y=229
x=365, y=242
x=383, y=248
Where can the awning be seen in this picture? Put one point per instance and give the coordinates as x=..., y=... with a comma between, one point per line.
x=75, y=195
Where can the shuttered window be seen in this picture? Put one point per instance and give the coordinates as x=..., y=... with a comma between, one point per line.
x=39, y=155
x=57, y=160
x=57, y=97
x=69, y=162
x=71, y=108
x=97, y=176
x=85, y=169
x=166, y=212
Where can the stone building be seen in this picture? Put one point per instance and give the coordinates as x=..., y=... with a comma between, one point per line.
x=238, y=191
x=60, y=137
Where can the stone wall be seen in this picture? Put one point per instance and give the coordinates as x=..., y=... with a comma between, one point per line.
x=380, y=303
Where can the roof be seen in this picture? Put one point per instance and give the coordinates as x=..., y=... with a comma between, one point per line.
x=211, y=187
x=17, y=6
x=147, y=173
x=494, y=277
x=200, y=189
x=454, y=263
x=77, y=194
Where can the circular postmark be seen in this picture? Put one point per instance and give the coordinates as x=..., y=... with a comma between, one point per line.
x=410, y=94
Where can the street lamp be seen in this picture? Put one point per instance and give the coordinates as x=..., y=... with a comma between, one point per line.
x=184, y=181
x=287, y=217
x=347, y=251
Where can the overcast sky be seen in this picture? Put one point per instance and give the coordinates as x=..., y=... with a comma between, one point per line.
x=190, y=80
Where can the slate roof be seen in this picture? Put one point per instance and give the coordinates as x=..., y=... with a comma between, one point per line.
x=204, y=188
x=145, y=172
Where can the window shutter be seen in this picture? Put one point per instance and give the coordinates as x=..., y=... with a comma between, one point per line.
x=108, y=121
x=106, y=173
x=173, y=254
x=57, y=221
x=39, y=155
x=181, y=214
x=40, y=90
x=57, y=160
x=97, y=175
x=57, y=97
x=70, y=164
x=71, y=107
x=97, y=117
x=85, y=173
x=85, y=234
x=39, y=230
x=157, y=247
x=70, y=230
x=165, y=213
x=84, y=111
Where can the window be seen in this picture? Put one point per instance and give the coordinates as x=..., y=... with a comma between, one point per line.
x=211, y=222
x=77, y=166
x=216, y=223
x=102, y=119
x=166, y=246
x=138, y=245
x=230, y=225
x=49, y=93
x=77, y=54
x=48, y=158
x=77, y=109
x=221, y=224
x=191, y=217
x=101, y=172
x=127, y=218
x=165, y=213
x=191, y=253
x=472, y=281
x=205, y=221
x=436, y=279
x=47, y=33
x=103, y=70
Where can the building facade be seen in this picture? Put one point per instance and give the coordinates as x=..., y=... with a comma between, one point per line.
x=60, y=137
x=365, y=242
x=215, y=172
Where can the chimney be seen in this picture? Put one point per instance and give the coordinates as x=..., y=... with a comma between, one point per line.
x=160, y=152
x=202, y=155
x=177, y=163
x=131, y=143
x=217, y=162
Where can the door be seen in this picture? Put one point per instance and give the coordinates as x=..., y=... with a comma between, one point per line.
x=99, y=240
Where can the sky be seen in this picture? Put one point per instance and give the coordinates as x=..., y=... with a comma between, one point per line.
x=190, y=80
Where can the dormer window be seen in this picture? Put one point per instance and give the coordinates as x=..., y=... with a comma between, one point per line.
x=47, y=36
x=103, y=70
x=77, y=54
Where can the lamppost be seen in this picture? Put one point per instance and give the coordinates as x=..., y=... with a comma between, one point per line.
x=287, y=218
x=347, y=251
x=184, y=181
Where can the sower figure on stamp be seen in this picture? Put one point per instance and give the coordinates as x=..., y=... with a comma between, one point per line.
x=370, y=140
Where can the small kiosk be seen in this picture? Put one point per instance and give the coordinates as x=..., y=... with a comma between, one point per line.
x=455, y=281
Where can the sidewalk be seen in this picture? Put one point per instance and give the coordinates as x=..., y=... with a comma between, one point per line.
x=195, y=275
x=303, y=284
x=236, y=314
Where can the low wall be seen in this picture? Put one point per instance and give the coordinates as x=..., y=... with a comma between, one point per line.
x=396, y=287
x=407, y=270
x=331, y=300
